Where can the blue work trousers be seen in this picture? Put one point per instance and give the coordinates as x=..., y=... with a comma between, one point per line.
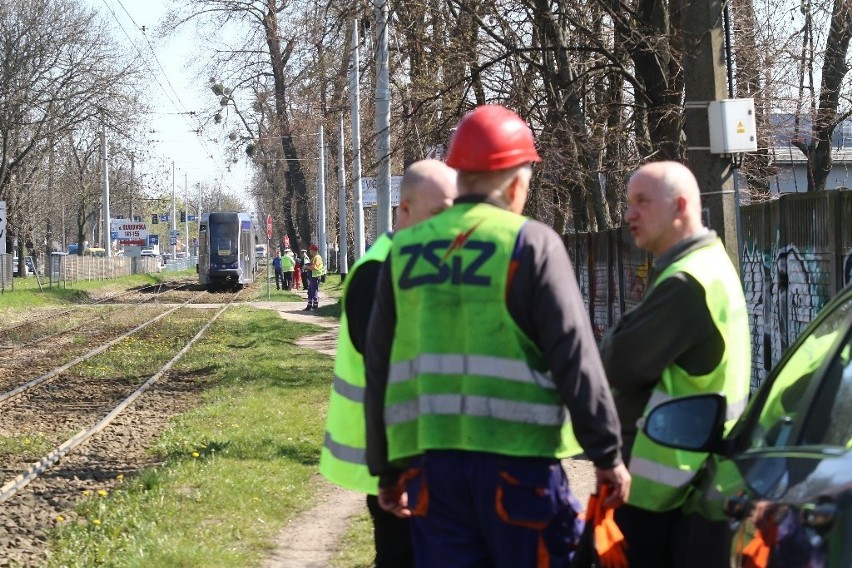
x=482, y=510
x=313, y=290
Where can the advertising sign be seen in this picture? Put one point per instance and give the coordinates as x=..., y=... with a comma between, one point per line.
x=368, y=191
x=129, y=232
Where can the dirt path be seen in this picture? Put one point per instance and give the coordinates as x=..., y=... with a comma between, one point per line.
x=311, y=539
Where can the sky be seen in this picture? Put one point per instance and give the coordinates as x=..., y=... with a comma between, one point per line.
x=175, y=91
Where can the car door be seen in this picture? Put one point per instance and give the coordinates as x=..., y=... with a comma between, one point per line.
x=781, y=495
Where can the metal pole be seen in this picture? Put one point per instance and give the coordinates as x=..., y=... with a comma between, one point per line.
x=323, y=246
x=173, y=224
x=343, y=244
x=355, y=100
x=107, y=237
x=186, y=215
x=383, y=178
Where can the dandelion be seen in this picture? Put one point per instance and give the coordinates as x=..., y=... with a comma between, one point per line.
x=120, y=476
x=102, y=492
x=60, y=519
x=96, y=521
x=26, y=441
x=195, y=454
x=87, y=492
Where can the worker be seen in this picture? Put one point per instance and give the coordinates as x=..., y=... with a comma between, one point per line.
x=315, y=268
x=279, y=275
x=482, y=370
x=688, y=335
x=427, y=187
x=288, y=264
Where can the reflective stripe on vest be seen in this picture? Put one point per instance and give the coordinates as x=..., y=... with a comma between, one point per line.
x=661, y=475
x=481, y=365
x=343, y=456
x=348, y=390
x=462, y=374
x=345, y=453
x=475, y=406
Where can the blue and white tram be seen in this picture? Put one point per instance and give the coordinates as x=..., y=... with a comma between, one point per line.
x=226, y=250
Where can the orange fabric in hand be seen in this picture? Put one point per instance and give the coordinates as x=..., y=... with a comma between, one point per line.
x=609, y=540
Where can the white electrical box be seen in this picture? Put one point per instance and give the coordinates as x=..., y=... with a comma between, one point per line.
x=732, y=126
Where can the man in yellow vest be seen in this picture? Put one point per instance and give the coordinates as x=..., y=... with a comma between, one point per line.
x=315, y=268
x=689, y=335
x=482, y=370
x=428, y=187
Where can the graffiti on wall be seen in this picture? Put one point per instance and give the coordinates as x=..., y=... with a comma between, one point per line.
x=753, y=269
x=798, y=293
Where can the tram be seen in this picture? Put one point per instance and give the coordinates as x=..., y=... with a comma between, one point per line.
x=226, y=250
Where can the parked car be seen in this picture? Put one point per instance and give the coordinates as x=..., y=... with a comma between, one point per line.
x=148, y=252
x=777, y=490
x=31, y=269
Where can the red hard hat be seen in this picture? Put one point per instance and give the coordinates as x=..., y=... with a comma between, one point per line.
x=491, y=137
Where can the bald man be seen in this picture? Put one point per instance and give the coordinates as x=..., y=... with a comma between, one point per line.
x=689, y=335
x=428, y=187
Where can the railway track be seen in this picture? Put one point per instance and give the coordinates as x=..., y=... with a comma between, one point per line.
x=90, y=432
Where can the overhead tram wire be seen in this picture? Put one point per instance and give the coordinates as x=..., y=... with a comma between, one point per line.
x=185, y=113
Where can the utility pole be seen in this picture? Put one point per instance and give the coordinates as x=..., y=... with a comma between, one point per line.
x=383, y=175
x=355, y=101
x=107, y=233
x=343, y=239
x=186, y=214
x=704, y=80
x=323, y=248
x=173, y=224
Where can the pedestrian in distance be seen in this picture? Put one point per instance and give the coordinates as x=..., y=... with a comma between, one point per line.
x=287, y=267
x=427, y=187
x=315, y=268
x=688, y=335
x=482, y=371
x=279, y=275
x=297, y=271
x=306, y=273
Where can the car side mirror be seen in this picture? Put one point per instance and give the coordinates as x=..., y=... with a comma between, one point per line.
x=693, y=423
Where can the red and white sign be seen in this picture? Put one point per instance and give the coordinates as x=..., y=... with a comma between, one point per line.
x=269, y=226
x=129, y=232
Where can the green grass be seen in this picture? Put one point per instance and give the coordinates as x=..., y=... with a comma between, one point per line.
x=27, y=293
x=357, y=549
x=234, y=470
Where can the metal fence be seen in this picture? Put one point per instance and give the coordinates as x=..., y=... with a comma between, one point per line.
x=796, y=255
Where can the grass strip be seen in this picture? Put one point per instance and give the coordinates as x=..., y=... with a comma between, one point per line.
x=234, y=470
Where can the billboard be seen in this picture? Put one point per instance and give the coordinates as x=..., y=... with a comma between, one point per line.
x=368, y=191
x=129, y=232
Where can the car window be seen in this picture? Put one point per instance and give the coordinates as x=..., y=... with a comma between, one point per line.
x=830, y=423
x=795, y=388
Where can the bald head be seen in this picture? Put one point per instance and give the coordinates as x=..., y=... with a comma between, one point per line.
x=663, y=206
x=428, y=187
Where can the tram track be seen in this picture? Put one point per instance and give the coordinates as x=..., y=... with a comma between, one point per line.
x=92, y=438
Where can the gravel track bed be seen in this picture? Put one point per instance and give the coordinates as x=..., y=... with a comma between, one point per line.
x=22, y=364
x=27, y=518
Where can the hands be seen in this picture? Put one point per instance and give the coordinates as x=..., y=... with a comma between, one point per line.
x=618, y=478
x=394, y=499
